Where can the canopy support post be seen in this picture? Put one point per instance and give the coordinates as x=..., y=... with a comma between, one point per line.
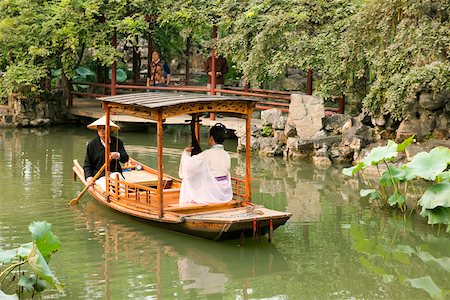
x=248, y=193
x=107, y=150
x=159, y=133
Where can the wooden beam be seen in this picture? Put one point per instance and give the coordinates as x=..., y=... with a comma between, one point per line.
x=239, y=107
x=149, y=114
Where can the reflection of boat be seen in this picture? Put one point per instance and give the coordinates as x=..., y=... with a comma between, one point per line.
x=151, y=195
x=201, y=264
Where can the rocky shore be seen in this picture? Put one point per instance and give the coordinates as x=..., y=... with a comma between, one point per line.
x=21, y=112
x=310, y=132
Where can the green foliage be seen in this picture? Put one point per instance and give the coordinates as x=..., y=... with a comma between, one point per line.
x=23, y=79
x=266, y=131
x=39, y=36
x=396, y=182
x=36, y=255
x=389, y=51
x=381, y=52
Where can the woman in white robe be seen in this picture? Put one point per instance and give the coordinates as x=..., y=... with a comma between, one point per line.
x=206, y=176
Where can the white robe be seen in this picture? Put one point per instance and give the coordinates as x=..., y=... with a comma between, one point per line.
x=199, y=173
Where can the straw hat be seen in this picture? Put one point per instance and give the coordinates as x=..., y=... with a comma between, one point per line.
x=102, y=122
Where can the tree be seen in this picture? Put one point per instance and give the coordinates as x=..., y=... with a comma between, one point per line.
x=266, y=37
x=37, y=36
x=389, y=52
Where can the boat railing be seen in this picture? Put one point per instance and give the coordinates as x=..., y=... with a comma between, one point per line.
x=238, y=188
x=140, y=197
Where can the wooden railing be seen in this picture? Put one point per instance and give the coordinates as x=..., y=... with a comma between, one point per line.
x=269, y=99
x=238, y=188
x=144, y=198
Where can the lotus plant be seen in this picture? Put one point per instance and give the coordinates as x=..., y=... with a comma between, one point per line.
x=396, y=182
x=35, y=255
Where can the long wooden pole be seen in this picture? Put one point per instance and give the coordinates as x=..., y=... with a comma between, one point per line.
x=107, y=139
x=159, y=133
x=188, y=52
x=136, y=59
x=213, y=67
x=309, y=82
x=248, y=187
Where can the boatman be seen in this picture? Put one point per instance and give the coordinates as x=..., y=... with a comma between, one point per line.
x=95, y=153
x=206, y=176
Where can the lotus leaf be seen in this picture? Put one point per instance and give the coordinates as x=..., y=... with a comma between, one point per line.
x=56, y=73
x=40, y=285
x=121, y=75
x=396, y=198
x=84, y=72
x=46, y=240
x=394, y=174
x=7, y=255
x=429, y=165
x=379, y=154
x=427, y=284
x=401, y=147
x=27, y=282
x=444, y=262
x=436, y=195
x=438, y=215
x=31, y=283
x=352, y=170
x=80, y=87
x=4, y=296
x=369, y=192
x=24, y=250
x=40, y=267
x=406, y=249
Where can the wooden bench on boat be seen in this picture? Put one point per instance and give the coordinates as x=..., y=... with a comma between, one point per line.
x=192, y=208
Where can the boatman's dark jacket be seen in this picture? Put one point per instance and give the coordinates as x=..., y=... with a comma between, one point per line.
x=95, y=157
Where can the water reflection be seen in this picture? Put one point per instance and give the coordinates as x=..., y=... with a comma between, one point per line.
x=299, y=185
x=201, y=267
x=334, y=246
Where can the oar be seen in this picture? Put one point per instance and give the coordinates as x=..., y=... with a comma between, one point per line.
x=74, y=201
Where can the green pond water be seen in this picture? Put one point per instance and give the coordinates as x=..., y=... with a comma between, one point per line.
x=335, y=246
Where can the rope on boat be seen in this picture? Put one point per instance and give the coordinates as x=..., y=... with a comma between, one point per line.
x=225, y=228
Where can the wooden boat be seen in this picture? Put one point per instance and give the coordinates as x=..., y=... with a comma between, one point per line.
x=151, y=195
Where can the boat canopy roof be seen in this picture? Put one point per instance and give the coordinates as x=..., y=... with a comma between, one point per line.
x=151, y=104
